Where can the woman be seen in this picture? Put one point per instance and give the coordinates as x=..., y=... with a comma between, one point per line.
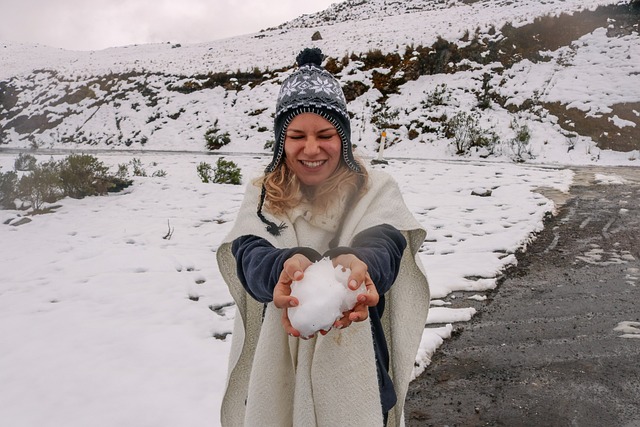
x=316, y=200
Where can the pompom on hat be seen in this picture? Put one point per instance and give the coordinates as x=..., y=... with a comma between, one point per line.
x=311, y=89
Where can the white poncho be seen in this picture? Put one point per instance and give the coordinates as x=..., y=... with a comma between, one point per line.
x=276, y=380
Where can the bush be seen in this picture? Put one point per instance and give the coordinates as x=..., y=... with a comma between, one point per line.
x=439, y=96
x=41, y=186
x=467, y=133
x=204, y=172
x=8, y=187
x=123, y=171
x=77, y=176
x=82, y=175
x=138, y=170
x=484, y=98
x=520, y=144
x=227, y=172
x=215, y=139
x=25, y=162
x=384, y=118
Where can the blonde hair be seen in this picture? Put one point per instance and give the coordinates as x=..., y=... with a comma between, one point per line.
x=283, y=190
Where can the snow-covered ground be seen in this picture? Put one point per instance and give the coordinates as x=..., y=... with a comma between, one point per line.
x=104, y=322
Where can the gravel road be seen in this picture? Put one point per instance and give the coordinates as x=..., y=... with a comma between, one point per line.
x=558, y=343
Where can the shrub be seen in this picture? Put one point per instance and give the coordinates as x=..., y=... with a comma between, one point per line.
x=439, y=96
x=138, y=169
x=8, y=187
x=520, y=144
x=215, y=139
x=41, y=186
x=160, y=173
x=25, y=162
x=484, y=98
x=227, y=172
x=385, y=118
x=82, y=175
x=77, y=176
x=123, y=171
x=204, y=172
x=467, y=133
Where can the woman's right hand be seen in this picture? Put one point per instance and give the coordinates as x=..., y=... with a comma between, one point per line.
x=293, y=269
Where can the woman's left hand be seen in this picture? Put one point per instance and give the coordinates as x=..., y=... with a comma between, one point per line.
x=359, y=274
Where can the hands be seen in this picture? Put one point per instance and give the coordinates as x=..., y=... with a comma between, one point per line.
x=359, y=274
x=294, y=268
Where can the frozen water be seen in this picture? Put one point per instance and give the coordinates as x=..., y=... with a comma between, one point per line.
x=323, y=295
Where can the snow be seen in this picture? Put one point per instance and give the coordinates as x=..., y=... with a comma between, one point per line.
x=323, y=295
x=106, y=323
x=629, y=329
x=276, y=48
x=609, y=179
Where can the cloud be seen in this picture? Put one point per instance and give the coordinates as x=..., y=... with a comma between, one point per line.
x=92, y=24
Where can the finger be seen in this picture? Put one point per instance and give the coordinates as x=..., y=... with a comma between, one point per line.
x=371, y=297
x=294, y=267
x=368, y=300
x=285, y=301
x=343, y=322
x=282, y=296
x=359, y=313
x=286, y=324
x=358, y=274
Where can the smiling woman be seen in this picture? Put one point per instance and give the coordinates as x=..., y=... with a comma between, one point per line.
x=317, y=201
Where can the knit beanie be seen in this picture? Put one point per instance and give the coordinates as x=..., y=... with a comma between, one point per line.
x=311, y=89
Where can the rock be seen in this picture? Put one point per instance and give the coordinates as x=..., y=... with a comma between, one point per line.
x=316, y=36
x=482, y=192
x=20, y=222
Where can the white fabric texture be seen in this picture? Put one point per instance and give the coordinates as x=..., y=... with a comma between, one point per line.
x=277, y=380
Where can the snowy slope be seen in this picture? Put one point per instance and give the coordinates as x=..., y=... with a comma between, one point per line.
x=356, y=26
x=135, y=97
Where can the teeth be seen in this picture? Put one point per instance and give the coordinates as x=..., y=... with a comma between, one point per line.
x=312, y=164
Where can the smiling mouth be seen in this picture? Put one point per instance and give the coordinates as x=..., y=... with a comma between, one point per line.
x=313, y=165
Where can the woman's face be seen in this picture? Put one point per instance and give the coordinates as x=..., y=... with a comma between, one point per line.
x=312, y=148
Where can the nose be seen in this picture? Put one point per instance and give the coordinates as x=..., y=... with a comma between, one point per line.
x=311, y=147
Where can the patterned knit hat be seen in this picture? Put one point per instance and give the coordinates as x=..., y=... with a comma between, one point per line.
x=311, y=89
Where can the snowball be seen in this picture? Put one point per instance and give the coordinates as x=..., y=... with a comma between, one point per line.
x=323, y=295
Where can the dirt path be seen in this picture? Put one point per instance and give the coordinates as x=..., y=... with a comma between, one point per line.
x=558, y=343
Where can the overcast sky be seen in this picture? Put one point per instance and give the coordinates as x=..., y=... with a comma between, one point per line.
x=98, y=24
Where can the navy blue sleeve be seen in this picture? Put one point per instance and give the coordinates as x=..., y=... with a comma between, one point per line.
x=379, y=247
x=259, y=264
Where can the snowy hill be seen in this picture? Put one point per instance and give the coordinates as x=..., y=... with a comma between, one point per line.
x=531, y=80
